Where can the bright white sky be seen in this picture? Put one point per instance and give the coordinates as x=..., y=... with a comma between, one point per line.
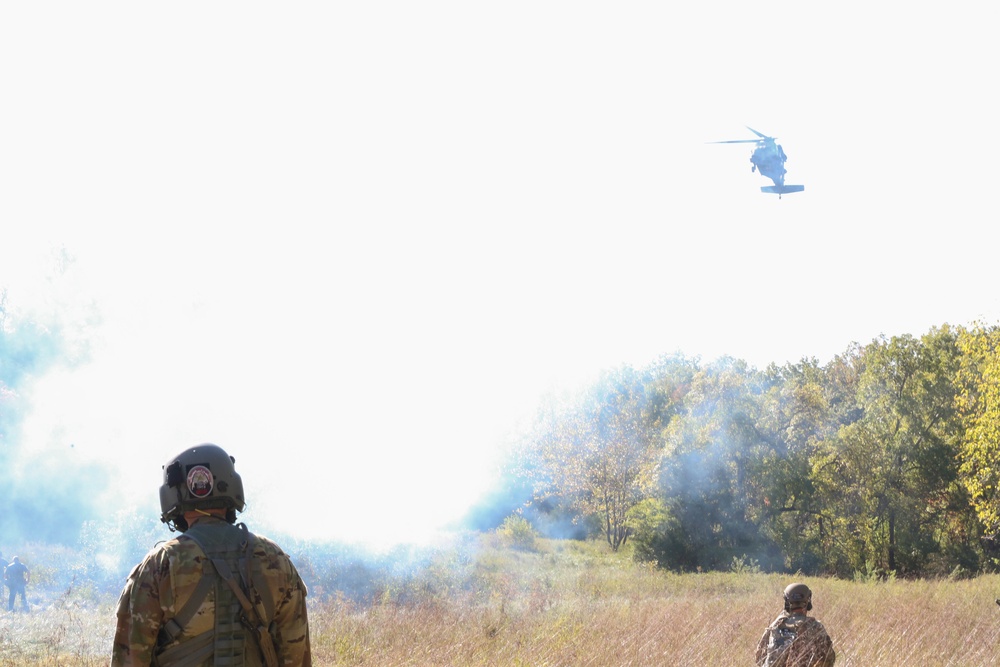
x=353, y=243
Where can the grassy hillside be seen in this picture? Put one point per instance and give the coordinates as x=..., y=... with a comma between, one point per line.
x=573, y=604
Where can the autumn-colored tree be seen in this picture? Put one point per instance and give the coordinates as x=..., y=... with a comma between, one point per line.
x=979, y=404
x=601, y=454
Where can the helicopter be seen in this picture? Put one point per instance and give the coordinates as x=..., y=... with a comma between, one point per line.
x=769, y=159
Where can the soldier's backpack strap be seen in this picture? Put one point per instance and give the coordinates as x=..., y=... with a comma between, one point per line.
x=194, y=651
x=252, y=618
x=172, y=628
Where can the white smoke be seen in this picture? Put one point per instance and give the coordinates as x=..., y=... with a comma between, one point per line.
x=355, y=251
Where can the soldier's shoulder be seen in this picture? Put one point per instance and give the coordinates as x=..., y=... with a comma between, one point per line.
x=779, y=619
x=268, y=546
x=269, y=552
x=177, y=550
x=181, y=545
x=157, y=560
x=813, y=626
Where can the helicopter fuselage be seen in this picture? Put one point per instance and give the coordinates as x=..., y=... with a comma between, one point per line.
x=769, y=159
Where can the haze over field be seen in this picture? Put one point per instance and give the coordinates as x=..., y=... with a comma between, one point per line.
x=355, y=245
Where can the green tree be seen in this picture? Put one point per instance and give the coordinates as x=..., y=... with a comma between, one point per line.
x=890, y=475
x=708, y=479
x=795, y=414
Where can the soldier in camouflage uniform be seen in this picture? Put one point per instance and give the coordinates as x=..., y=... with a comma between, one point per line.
x=217, y=594
x=794, y=639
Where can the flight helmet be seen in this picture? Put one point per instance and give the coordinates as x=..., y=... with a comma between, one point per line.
x=200, y=478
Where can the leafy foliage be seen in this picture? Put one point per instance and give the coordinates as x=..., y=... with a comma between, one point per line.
x=881, y=460
x=979, y=405
x=516, y=532
x=601, y=455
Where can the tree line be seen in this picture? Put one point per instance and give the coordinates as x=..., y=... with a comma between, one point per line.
x=883, y=460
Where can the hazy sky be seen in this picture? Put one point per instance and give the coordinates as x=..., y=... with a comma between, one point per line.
x=353, y=243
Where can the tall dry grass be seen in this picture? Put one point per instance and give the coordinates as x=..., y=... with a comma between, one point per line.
x=70, y=632
x=577, y=604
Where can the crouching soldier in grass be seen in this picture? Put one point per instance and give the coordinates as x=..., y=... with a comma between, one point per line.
x=217, y=594
x=794, y=639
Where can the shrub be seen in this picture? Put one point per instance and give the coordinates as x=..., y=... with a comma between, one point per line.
x=516, y=532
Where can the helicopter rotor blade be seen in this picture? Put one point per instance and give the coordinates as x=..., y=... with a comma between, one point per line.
x=736, y=141
x=759, y=134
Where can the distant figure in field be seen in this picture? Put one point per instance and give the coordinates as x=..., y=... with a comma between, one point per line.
x=16, y=576
x=794, y=639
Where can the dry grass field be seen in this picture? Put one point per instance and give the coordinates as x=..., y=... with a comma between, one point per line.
x=576, y=604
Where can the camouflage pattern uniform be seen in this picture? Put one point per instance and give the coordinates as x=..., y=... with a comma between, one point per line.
x=810, y=645
x=158, y=588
